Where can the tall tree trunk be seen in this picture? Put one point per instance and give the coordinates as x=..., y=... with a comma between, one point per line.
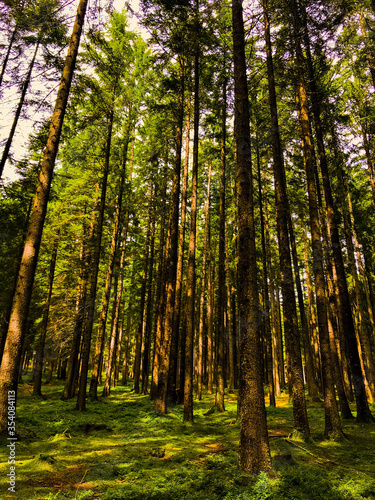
x=70, y=381
x=148, y=321
x=292, y=337
x=221, y=296
x=210, y=316
x=172, y=381
x=254, y=445
x=21, y=302
x=171, y=247
x=100, y=339
x=204, y=284
x=112, y=338
x=160, y=300
x=25, y=86
x=6, y=58
x=333, y=428
x=343, y=301
x=191, y=274
x=141, y=322
x=93, y=258
x=37, y=388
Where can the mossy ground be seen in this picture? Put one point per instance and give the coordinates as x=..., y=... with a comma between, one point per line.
x=121, y=449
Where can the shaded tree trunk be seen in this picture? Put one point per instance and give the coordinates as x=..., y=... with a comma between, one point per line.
x=25, y=86
x=254, y=447
x=37, y=387
x=92, y=262
x=172, y=381
x=292, y=337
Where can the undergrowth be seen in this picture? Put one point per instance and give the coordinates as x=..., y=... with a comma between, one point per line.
x=121, y=449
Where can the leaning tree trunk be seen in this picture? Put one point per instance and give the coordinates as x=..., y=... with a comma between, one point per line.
x=6, y=58
x=25, y=86
x=254, y=445
x=21, y=302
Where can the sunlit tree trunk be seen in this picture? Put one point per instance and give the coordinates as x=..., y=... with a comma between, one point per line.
x=171, y=247
x=204, y=280
x=191, y=272
x=21, y=302
x=100, y=339
x=333, y=428
x=221, y=297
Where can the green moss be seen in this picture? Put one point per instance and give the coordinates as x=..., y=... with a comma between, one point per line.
x=121, y=449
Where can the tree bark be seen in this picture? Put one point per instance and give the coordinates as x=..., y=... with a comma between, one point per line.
x=21, y=302
x=254, y=446
x=171, y=247
x=92, y=262
x=221, y=296
x=37, y=387
x=333, y=428
x=25, y=86
x=191, y=274
x=172, y=381
x=291, y=332
x=100, y=339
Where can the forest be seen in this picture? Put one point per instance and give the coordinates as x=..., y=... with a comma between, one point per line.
x=187, y=259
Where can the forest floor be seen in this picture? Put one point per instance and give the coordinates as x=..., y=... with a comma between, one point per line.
x=121, y=449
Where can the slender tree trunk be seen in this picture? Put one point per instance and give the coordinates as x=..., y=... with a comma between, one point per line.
x=100, y=339
x=343, y=300
x=171, y=247
x=191, y=273
x=210, y=316
x=266, y=298
x=21, y=302
x=148, y=322
x=292, y=337
x=6, y=58
x=37, y=388
x=141, y=323
x=221, y=297
x=333, y=428
x=172, y=392
x=112, y=338
x=25, y=86
x=160, y=302
x=203, y=284
x=254, y=446
x=93, y=258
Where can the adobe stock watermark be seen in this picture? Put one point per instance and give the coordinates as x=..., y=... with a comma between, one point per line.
x=12, y=438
